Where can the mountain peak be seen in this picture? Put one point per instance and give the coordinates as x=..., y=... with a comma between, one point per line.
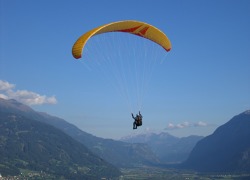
x=247, y=112
x=12, y=103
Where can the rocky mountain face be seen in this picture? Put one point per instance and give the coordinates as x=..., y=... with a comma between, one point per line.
x=33, y=146
x=226, y=150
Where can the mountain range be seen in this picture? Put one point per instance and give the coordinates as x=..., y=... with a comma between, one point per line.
x=168, y=148
x=226, y=150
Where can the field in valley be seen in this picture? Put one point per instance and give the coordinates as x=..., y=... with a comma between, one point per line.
x=145, y=173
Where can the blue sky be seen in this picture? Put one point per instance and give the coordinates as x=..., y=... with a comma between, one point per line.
x=202, y=83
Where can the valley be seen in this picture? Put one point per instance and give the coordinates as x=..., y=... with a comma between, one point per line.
x=144, y=173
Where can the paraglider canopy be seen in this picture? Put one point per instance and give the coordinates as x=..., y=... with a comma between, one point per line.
x=129, y=26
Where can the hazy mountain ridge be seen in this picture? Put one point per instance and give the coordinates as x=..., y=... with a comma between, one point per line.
x=168, y=148
x=226, y=150
x=36, y=146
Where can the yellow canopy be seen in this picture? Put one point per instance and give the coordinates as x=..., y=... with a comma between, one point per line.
x=133, y=27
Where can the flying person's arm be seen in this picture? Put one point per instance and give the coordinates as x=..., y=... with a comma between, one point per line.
x=140, y=114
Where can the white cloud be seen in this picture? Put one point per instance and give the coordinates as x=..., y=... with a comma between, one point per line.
x=5, y=86
x=27, y=97
x=3, y=96
x=185, y=124
x=170, y=126
x=200, y=123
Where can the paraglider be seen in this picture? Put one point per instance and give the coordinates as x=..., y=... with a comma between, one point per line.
x=137, y=120
x=133, y=27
